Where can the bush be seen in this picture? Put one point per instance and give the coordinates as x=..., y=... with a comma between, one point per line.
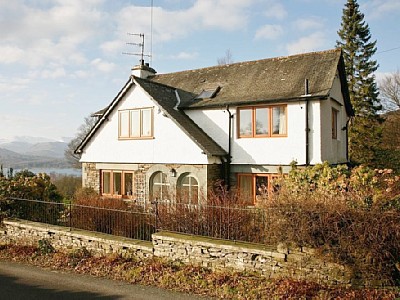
x=112, y=216
x=222, y=215
x=46, y=201
x=352, y=215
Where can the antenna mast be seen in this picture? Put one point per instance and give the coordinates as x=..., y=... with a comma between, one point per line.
x=141, y=45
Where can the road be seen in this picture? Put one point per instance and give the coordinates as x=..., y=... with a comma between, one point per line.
x=19, y=281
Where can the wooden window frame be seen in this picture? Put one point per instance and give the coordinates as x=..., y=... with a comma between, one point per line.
x=335, y=116
x=123, y=194
x=191, y=200
x=253, y=121
x=165, y=187
x=270, y=188
x=141, y=136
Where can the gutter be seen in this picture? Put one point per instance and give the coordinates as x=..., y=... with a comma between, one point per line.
x=229, y=157
x=307, y=129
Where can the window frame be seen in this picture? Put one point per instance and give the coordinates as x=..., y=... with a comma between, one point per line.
x=270, y=121
x=164, y=186
x=141, y=135
x=189, y=186
x=334, y=127
x=253, y=197
x=112, y=193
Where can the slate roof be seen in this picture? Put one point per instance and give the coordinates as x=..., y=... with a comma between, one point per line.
x=167, y=99
x=246, y=83
x=260, y=81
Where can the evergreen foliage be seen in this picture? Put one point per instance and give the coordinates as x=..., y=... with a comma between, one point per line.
x=358, y=50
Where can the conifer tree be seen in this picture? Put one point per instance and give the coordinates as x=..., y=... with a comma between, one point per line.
x=365, y=128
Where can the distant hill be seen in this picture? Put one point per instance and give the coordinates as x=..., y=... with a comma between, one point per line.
x=32, y=152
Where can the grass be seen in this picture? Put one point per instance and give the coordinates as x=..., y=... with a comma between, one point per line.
x=223, y=284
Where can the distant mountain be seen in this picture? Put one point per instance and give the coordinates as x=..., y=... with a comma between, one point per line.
x=48, y=149
x=16, y=146
x=32, y=139
x=11, y=159
x=33, y=152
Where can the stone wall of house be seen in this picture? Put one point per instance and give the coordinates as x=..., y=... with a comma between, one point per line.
x=29, y=233
x=90, y=176
x=272, y=262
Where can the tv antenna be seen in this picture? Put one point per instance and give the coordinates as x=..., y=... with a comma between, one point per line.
x=141, y=45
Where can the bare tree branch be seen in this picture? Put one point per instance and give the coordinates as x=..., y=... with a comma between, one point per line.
x=83, y=130
x=390, y=90
x=227, y=59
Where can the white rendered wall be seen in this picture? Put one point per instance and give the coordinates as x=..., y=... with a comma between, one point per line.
x=334, y=150
x=169, y=145
x=264, y=151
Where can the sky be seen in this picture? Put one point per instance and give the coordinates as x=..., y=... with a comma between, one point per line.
x=61, y=60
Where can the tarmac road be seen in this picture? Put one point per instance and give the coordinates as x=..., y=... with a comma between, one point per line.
x=19, y=281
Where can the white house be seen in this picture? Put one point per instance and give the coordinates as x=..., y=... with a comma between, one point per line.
x=243, y=123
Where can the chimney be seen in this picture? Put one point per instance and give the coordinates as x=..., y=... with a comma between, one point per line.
x=143, y=70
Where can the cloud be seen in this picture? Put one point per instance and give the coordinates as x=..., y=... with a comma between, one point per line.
x=308, y=23
x=381, y=8
x=313, y=42
x=185, y=55
x=13, y=84
x=269, y=32
x=49, y=32
x=276, y=10
x=226, y=15
x=10, y=54
x=54, y=73
x=102, y=65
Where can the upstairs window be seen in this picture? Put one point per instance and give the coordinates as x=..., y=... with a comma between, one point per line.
x=135, y=123
x=263, y=121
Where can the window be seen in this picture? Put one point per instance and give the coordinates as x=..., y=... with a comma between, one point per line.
x=188, y=190
x=159, y=186
x=117, y=183
x=334, y=124
x=256, y=187
x=261, y=121
x=135, y=123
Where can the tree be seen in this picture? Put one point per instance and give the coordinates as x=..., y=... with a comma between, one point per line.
x=389, y=88
x=365, y=127
x=69, y=154
x=227, y=59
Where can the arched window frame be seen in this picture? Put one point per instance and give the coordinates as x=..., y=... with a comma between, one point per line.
x=192, y=197
x=161, y=183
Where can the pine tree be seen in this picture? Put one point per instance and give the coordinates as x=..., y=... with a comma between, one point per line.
x=365, y=128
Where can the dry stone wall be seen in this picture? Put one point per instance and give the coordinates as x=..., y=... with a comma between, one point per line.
x=272, y=262
x=29, y=233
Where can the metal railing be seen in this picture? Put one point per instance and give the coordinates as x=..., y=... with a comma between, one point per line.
x=223, y=222
x=127, y=223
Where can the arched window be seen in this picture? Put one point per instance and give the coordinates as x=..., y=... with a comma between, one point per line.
x=159, y=186
x=188, y=190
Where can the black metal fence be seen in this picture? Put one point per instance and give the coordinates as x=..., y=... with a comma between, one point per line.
x=231, y=223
